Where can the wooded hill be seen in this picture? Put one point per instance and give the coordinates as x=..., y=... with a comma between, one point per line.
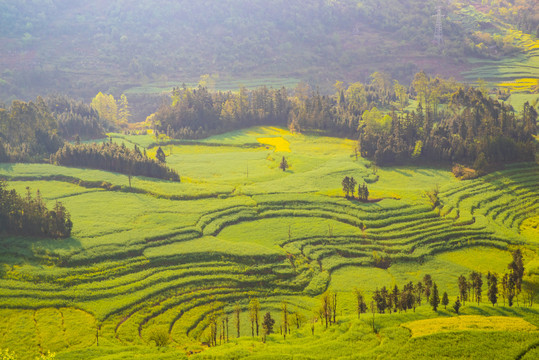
x=82, y=47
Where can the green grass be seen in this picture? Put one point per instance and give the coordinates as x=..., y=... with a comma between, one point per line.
x=171, y=254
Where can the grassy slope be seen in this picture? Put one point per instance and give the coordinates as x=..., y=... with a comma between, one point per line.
x=138, y=262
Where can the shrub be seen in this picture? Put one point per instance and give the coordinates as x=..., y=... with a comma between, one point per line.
x=159, y=336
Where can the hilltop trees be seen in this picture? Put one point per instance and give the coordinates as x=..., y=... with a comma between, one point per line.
x=195, y=113
x=477, y=130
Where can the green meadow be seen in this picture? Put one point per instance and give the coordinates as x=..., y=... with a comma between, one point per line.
x=166, y=257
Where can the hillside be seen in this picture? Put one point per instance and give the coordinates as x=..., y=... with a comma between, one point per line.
x=81, y=47
x=170, y=258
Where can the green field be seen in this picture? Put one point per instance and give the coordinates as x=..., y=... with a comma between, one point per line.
x=169, y=256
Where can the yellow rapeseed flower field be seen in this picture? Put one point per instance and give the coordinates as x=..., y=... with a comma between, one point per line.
x=468, y=322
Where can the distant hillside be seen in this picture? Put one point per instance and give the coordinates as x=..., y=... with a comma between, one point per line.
x=81, y=47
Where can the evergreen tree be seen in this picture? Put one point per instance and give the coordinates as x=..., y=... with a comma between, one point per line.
x=346, y=186
x=456, y=305
x=445, y=300
x=352, y=186
x=284, y=164
x=463, y=288
x=434, y=298
x=517, y=270
x=492, y=283
x=160, y=155
x=267, y=324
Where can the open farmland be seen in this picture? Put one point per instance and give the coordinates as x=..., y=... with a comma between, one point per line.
x=164, y=256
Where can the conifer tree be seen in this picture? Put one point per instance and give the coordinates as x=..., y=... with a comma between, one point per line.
x=284, y=164
x=434, y=298
x=456, y=305
x=445, y=300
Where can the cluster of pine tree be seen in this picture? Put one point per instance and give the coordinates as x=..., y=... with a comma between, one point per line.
x=198, y=113
x=28, y=132
x=477, y=131
x=76, y=118
x=409, y=297
x=30, y=217
x=510, y=284
x=113, y=157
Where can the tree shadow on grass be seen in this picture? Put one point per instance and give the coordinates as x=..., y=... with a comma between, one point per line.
x=16, y=250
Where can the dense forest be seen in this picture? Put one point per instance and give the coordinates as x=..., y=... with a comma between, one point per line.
x=75, y=118
x=452, y=123
x=29, y=216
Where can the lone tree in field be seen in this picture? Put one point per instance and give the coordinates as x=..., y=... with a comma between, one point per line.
x=160, y=155
x=456, y=305
x=284, y=164
x=445, y=300
x=267, y=325
x=434, y=298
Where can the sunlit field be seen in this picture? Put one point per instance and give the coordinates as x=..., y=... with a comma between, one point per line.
x=169, y=256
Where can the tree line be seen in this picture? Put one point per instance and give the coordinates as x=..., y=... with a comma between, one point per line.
x=197, y=113
x=29, y=216
x=113, y=157
x=31, y=131
x=452, y=123
x=389, y=300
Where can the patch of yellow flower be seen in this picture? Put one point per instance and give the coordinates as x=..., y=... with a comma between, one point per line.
x=524, y=84
x=530, y=228
x=467, y=323
x=280, y=144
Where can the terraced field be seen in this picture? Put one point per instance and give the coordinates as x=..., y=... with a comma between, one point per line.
x=167, y=257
